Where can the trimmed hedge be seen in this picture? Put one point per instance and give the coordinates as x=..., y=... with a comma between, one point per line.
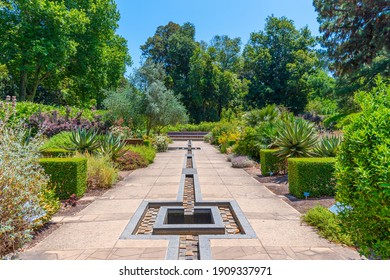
x=313, y=175
x=68, y=175
x=270, y=162
x=56, y=152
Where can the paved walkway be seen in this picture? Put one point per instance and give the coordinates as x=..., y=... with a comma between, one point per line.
x=94, y=232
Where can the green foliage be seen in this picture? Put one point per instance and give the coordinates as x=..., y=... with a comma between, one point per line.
x=322, y=106
x=211, y=87
x=172, y=46
x=295, y=138
x=23, y=184
x=148, y=152
x=60, y=140
x=39, y=41
x=202, y=126
x=84, y=140
x=363, y=174
x=101, y=172
x=57, y=152
x=255, y=138
x=162, y=108
x=327, y=146
x=111, y=146
x=270, y=163
x=313, y=175
x=354, y=32
x=332, y=121
x=222, y=129
x=126, y=105
x=131, y=161
x=25, y=109
x=60, y=51
x=68, y=175
x=147, y=143
x=267, y=114
x=49, y=202
x=278, y=63
x=327, y=224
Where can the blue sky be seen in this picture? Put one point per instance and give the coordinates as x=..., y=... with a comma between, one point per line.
x=140, y=18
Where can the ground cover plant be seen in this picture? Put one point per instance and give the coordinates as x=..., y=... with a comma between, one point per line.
x=327, y=224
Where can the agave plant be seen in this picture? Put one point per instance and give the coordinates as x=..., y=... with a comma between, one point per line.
x=328, y=145
x=112, y=146
x=295, y=138
x=84, y=140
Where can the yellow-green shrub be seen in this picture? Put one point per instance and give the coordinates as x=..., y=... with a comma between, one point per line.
x=101, y=172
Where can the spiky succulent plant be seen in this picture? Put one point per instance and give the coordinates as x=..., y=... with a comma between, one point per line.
x=295, y=138
x=327, y=146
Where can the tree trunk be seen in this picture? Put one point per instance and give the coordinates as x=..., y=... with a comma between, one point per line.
x=23, y=86
x=36, y=82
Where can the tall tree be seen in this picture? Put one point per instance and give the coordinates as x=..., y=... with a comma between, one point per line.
x=67, y=46
x=160, y=106
x=278, y=62
x=173, y=45
x=211, y=88
x=35, y=40
x=356, y=34
x=102, y=55
x=226, y=52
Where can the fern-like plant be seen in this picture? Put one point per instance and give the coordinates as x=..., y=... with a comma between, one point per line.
x=84, y=140
x=327, y=147
x=295, y=138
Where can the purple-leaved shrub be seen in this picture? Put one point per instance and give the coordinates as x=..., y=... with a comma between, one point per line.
x=52, y=123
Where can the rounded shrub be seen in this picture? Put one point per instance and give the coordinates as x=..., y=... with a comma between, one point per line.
x=131, y=160
x=363, y=174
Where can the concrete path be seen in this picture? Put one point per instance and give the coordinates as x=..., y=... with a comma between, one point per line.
x=94, y=232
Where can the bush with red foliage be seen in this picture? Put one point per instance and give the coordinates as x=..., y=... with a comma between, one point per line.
x=131, y=160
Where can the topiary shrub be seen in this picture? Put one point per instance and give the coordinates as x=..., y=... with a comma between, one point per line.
x=363, y=174
x=131, y=161
x=69, y=175
x=271, y=164
x=312, y=175
x=57, y=152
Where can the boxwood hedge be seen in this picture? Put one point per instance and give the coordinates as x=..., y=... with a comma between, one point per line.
x=312, y=175
x=68, y=175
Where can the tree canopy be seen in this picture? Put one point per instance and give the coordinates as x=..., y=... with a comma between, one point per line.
x=68, y=48
x=355, y=33
x=278, y=62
